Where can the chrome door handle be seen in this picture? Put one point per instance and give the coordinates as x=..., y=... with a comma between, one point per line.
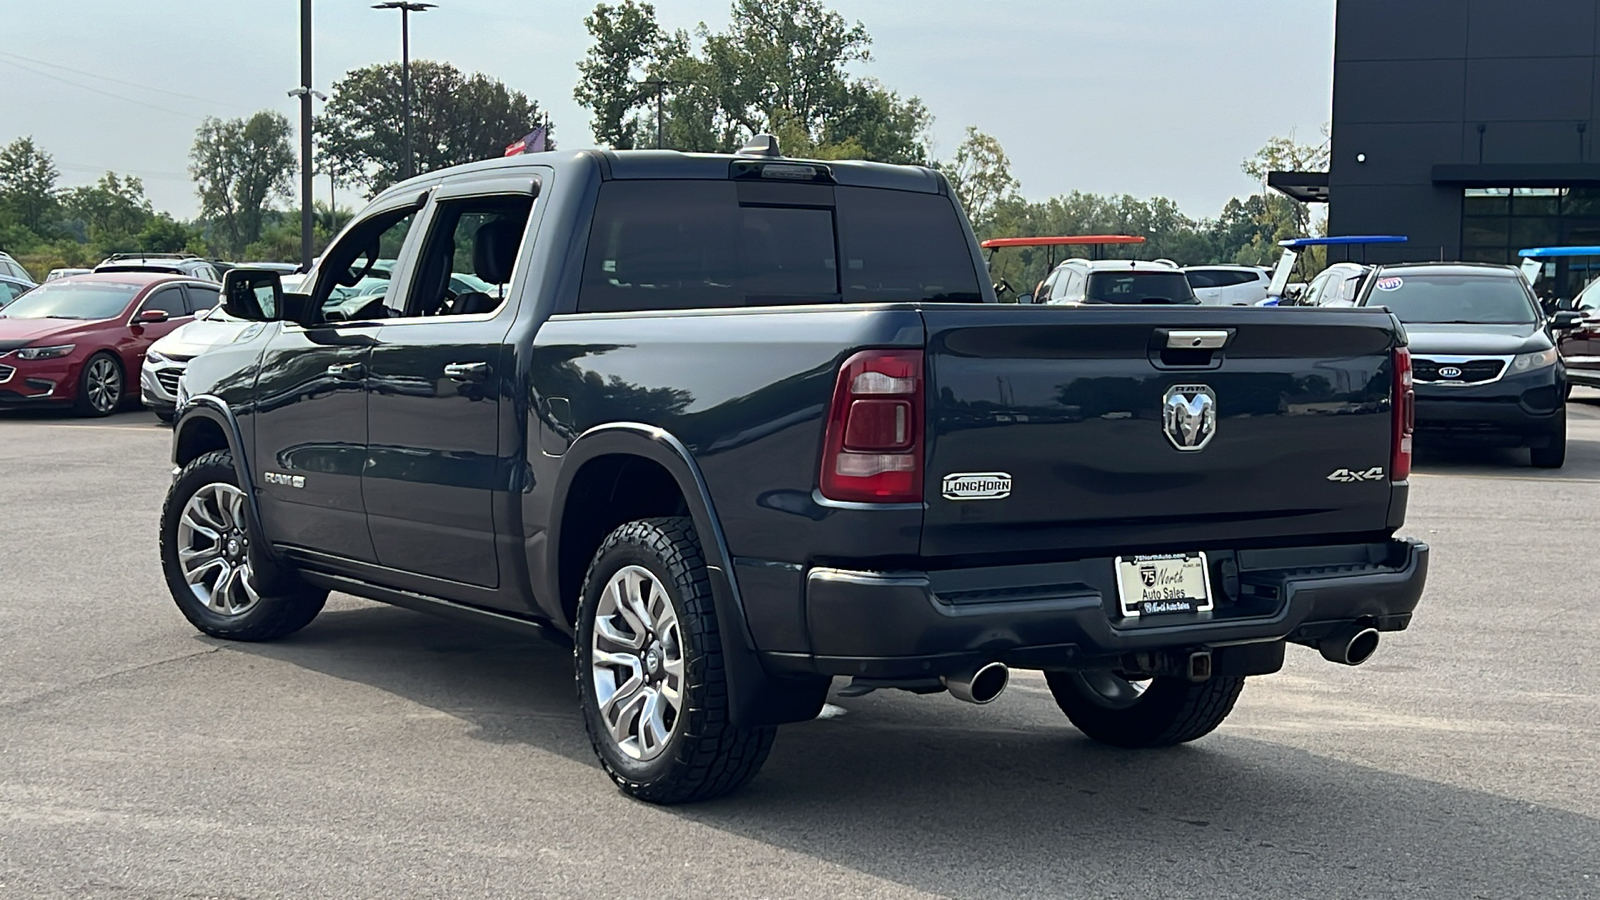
x=473, y=371
x=346, y=371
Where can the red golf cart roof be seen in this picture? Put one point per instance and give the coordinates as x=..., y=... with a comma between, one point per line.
x=1059, y=240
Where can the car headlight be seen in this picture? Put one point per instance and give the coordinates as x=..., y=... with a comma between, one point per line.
x=1524, y=362
x=154, y=357
x=46, y=352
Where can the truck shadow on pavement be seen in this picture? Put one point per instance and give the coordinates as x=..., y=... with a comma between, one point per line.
x=1009, y=800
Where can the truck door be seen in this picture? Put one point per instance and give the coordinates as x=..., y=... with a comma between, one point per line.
x=439, y=381
x=311, y=415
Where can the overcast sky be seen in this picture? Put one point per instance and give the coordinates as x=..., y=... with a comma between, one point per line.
x=1144, y=97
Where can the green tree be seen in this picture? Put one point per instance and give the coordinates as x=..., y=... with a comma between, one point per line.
x=981, y=175
x=626, y=40
x=455, y=119
x=779, y=68
x=239, y=166
x=1286, y=154
x=28, y=184
x=115, y=208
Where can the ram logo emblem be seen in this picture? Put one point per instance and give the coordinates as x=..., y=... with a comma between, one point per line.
x=1189, y=415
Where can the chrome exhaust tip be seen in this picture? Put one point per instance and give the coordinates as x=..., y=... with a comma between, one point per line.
x=1351, y=647
x=980, y=685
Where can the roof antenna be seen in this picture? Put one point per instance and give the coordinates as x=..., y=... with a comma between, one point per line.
x=760, y=145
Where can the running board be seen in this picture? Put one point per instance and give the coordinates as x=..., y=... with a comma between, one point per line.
x=432, y=605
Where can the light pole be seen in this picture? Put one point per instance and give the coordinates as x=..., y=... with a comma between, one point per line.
x=406, y=7
x=305, y=93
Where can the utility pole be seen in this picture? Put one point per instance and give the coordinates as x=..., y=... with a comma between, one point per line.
x=406, y=7
x=661, y=85
x=305, y=95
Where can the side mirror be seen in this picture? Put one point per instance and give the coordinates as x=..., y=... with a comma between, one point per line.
x=1566, y=318
x=255, y=295
x=151, y=317
x=1025, y=298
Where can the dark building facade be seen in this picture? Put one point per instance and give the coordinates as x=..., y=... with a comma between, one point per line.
x=1467, y=125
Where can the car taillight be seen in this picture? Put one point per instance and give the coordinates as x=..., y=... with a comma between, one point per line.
x=1405, y=417
x=873, y=449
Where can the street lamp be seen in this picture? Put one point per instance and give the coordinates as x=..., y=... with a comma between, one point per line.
x=305, y=94
x=406, y=7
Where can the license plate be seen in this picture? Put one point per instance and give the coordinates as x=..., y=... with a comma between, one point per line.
x=1167, y=583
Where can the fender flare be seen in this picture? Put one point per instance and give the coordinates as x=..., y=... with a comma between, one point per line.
x=217, y=411
x=755, y=698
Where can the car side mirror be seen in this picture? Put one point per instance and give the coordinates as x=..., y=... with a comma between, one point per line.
x=1566, y=318
x=255, y=295
x=151, y=316
x=1025, y=298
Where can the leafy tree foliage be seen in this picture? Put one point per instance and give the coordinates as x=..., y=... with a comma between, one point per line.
x=981, y=175
x=455, y=118
x=626, y=40
x=28, y=184
x=779, y=68
x=114, y=208
x=239, y=166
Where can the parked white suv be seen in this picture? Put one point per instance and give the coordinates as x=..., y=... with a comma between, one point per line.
x=1228, y=285
x=1085, y=282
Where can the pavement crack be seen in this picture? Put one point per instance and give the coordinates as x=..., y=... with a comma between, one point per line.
x=75, y=687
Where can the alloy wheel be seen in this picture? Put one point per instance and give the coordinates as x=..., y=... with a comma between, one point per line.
x=104, y=384
x=214, y=550
x=636, y=662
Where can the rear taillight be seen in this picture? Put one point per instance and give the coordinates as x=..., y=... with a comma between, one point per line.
x=1405, y=417
x=873, y=449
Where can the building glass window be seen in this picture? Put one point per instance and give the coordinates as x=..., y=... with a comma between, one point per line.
x=1496, y=223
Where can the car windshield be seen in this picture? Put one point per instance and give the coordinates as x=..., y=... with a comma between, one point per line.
x=73, y=300
x=1139, y=287
x=1454, y=299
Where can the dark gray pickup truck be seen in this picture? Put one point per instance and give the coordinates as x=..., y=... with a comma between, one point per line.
x=742, y=425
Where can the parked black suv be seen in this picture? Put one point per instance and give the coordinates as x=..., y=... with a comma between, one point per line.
x=1484, y=357
x=744, y=424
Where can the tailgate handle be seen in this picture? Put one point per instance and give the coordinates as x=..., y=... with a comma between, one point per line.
x=1197, y=340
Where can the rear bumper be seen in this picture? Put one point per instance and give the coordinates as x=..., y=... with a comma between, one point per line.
x=1064, y=615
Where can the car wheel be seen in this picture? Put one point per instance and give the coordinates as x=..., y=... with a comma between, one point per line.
x=1157, y=712
x=221, y=579
x=651, y=679
x=165, y=415
x=100, y=386
x=1552, y=457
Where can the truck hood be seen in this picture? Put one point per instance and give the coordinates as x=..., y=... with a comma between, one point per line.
x=195, y=338
x=1476, y=340
x=16, y=333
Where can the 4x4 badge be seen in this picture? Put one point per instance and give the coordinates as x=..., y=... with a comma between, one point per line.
x=1347, y=476
x=1189, y=415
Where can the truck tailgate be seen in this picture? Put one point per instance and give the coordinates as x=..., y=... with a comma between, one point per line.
x=1084, y=411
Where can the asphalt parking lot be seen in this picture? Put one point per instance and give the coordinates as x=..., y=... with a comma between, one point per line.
x=382, y=753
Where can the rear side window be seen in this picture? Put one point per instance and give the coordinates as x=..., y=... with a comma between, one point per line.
x=1139, y=287
x=706, y=244
x=168, y=300
x=1204, y=278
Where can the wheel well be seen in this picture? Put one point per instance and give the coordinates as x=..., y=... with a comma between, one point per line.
x=199, y=436
x=606, y=492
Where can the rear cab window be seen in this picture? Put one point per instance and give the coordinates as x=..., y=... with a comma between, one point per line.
x=1139, y=287
x=694, y=244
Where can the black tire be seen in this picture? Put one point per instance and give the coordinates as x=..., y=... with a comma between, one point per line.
x=1169, y=711
x=285, y=605
x=1554, y=455
x=165, y=415
x=91, y=404
x=705, y=756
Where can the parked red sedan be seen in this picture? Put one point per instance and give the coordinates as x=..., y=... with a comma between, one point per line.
x=78, y=340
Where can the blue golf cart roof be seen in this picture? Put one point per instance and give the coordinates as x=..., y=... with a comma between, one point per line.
x=1553, y=252
x=1343, y=240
